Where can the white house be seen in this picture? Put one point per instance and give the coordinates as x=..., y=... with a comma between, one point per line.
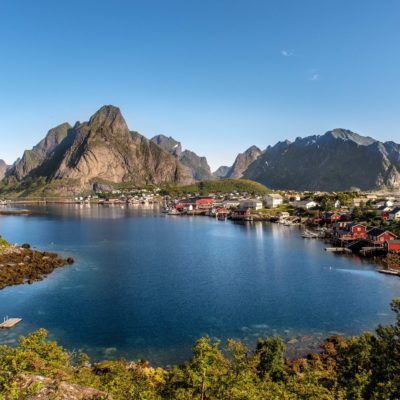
x=305, y=204
x=273, y=200
x=337, y=204
x=394, y=215
x=254, y=204
x=231, y=203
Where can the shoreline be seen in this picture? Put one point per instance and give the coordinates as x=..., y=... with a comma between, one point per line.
x=23, y=265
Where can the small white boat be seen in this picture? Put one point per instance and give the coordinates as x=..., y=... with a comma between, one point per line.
x=173, y=211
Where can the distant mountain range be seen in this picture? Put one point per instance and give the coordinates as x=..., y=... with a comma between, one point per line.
x=337, y=160
x=102, y=152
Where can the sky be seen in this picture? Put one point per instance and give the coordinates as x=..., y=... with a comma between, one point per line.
x=217, y=75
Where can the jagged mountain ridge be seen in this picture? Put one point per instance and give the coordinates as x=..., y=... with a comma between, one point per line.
x=338, y=160
x=242, y=162
x=198, y=165
x=31, y=159
x=102, y=149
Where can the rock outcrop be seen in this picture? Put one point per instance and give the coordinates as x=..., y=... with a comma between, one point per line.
x=221, y=172
x=338, y=160
x=242, y=162
x=198, y=166
x=47, y=388
x=33, y=158
x=3, y=169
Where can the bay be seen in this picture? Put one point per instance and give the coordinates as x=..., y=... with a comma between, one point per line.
x=147, y=285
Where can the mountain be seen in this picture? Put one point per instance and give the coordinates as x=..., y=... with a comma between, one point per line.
x=31, y=159
x=338, y=160
x=3, y=169
x=242, y=162
x=101, y=150
x=221, y=172
x=169, y=144
x=200, y=170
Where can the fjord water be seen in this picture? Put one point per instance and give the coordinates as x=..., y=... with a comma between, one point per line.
x=146, y=285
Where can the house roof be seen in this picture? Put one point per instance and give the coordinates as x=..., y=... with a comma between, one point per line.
x=353, y=224
x=395, y=210
x=375, y=232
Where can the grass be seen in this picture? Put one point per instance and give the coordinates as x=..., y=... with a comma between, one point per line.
x=219, y=186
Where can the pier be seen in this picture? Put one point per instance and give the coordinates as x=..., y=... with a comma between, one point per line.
x=389, y=272
x=9, y=323
x=338, y=249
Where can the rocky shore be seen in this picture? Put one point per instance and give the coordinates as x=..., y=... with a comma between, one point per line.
x=19, y=265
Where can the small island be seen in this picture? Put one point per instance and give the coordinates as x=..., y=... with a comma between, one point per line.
x=22, y=264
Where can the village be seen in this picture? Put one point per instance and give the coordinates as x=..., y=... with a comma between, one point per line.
x=366, y=224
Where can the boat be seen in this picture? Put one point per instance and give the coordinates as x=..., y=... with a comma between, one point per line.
x=173, y=211
x=309, y=235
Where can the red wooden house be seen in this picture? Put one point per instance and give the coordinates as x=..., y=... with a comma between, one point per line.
x=380, y=236
x=352, y=231
x=392, y=245
x=204, y=202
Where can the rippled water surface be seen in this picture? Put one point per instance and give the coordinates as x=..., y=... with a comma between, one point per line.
x=148, y=285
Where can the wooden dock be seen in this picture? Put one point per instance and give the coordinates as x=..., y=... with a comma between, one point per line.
x=10, y=323
x=389, y=272
x=338, y=249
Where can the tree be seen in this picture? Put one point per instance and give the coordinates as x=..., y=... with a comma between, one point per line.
x=270, y=358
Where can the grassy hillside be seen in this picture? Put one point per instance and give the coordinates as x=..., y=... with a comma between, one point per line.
x=220, y=186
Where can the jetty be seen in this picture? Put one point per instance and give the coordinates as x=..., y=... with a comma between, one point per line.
x=9, y=323
x=389, y=272
x=338, y=249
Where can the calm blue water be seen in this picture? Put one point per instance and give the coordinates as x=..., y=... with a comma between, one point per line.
x=148, y=285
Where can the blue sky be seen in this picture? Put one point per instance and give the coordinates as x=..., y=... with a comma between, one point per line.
x=218, y=75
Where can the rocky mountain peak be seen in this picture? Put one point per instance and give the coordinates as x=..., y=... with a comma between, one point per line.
x=168, y=143
x=31, y=159
x=345, y=134
x=252, y=149
x=221, y=172
x=109, y=119
x=198, y=166
x=243, y=161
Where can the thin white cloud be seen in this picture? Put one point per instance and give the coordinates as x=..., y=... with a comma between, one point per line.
x=287, y=53
x=315, y=77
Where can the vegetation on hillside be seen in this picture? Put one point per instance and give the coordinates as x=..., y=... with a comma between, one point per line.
x=360, y=367
x=219, y=186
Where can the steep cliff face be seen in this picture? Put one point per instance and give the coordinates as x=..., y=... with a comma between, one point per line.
x=31, y=159
x=102, y=149
x=105, y=149
x=337, y=160
x=198, y=166
x=242, y=162
x=3, y=169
